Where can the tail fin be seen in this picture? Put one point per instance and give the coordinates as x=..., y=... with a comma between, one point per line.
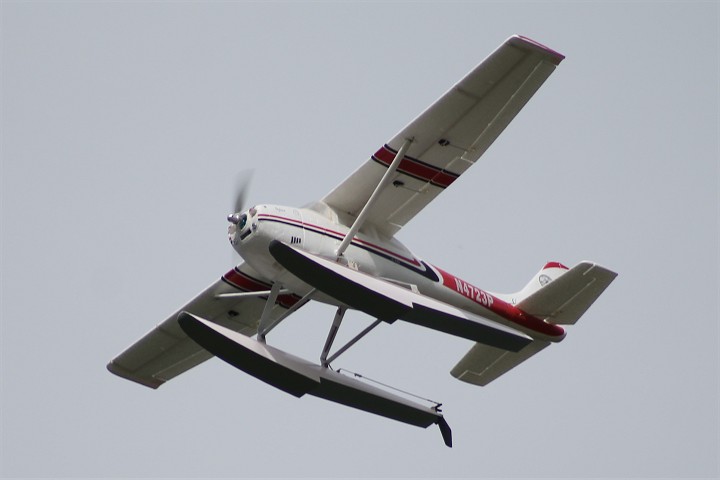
x=551, y=271
x=562, y=296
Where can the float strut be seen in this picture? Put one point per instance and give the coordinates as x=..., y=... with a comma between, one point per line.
x=353, y=341
x=265, y=318
x=331, y=335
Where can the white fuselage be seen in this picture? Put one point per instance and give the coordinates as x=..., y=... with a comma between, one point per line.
x=387, y=258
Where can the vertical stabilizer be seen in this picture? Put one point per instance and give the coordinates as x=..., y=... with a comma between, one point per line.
x=550, y=272
x=566, y=298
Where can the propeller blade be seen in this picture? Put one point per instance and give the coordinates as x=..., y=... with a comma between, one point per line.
x=242, y=187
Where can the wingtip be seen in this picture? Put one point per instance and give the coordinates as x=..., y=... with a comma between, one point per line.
x=116, y=369
x=555, y=56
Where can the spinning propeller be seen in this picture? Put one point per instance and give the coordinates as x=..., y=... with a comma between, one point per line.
x=242, y=187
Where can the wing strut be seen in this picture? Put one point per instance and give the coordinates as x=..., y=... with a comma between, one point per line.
x=373, y=198
x=259, y=293
x=331, y=335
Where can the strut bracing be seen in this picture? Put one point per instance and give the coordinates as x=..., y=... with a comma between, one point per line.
x=373, y=198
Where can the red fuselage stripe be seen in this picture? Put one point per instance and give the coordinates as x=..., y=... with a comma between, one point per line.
x=339, y=235
x=505, y=310
x=482, y=298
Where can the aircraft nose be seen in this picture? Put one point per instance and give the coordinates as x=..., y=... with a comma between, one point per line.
x=234, y=218
x=232, y=234
x=237, y=223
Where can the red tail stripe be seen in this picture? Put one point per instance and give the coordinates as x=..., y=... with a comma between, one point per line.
x=555, y=265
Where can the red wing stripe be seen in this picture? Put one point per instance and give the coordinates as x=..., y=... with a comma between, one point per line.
x=416, y=168
x=238, y=279
x=246, y=283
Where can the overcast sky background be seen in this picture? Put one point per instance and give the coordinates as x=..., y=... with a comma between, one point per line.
x=124, y=125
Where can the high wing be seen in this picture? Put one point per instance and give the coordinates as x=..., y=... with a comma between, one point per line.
x=448, y=137
x=166, y=351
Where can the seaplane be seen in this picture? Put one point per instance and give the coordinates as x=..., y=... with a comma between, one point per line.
x=342, y=250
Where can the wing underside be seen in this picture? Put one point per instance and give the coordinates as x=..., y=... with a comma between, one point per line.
x=166, y=351
x=449, y=136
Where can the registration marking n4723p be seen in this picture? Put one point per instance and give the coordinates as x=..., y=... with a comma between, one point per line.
x=473, y=293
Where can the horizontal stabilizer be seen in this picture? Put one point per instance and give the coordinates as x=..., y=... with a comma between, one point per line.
x=564, y=300
x=389, y=302
x=298, y=377
x=483, y=364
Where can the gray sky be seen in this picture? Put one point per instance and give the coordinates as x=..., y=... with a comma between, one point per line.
x=124, y=125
